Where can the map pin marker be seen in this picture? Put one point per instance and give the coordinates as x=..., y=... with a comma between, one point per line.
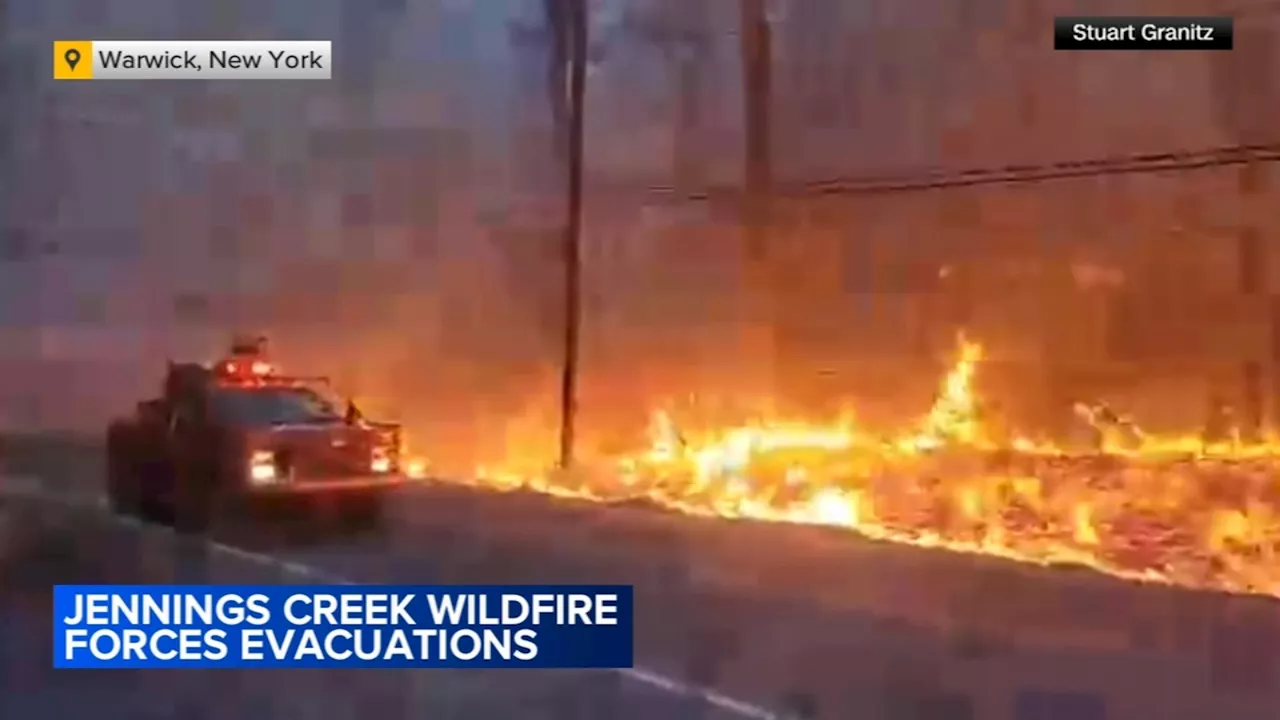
x=72, y=57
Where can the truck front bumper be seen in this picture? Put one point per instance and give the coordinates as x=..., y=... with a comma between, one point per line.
x=356, y=484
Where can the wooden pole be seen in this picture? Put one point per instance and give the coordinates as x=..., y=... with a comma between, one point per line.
x=757, y=53
x=1251, y=256
x=756, y=217
x=576, y=88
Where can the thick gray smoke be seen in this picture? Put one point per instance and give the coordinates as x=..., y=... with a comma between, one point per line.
x=397, y=228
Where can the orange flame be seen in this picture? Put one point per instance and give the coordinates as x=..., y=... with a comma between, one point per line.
x=1160, y=509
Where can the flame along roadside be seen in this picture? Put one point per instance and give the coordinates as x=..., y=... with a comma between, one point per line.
x=1174, y=510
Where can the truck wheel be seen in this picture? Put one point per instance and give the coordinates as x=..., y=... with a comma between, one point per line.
x=122, y=479
x=154, y=475
x=193, y=510
x=201, y=499
x=155, y=510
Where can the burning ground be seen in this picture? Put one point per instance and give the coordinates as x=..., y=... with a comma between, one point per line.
x=1174, y=510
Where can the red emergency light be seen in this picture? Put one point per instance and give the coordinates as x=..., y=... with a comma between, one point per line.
x=241, y=369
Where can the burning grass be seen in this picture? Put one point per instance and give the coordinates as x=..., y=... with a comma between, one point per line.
x=1174, y=510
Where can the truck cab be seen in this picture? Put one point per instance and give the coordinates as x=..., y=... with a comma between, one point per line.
x=237, y=433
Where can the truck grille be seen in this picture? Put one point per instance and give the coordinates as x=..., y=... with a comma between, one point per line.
x=310, y=466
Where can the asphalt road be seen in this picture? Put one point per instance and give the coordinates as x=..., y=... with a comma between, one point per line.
x=776, y=614
x=53, y=530
x=773, y=614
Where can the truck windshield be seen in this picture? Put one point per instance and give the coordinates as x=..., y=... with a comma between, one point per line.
x=274, y=406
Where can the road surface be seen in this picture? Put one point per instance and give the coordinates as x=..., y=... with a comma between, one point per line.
x=776, y=615
x=51, y=534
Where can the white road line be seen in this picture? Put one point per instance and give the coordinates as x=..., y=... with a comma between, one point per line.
x=299, y=570
x=236, y=552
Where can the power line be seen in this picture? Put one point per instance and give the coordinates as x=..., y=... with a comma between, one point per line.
x=1145, y=163
x=931, y=179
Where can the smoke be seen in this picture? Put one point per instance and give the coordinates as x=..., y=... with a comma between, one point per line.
x=400, y=232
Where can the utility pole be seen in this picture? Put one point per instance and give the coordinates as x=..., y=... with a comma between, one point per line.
x=1243, y=86
x=558, y=20
x=575, y=16
x=9, y=94
x=756, y=214
x=1251, y=256
x=687, y=149
x=686, y=45
x=757, y=83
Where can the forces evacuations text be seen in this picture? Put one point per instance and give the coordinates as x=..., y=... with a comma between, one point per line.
x=294, y=645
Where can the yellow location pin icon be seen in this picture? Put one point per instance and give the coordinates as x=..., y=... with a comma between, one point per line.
x=72, y=60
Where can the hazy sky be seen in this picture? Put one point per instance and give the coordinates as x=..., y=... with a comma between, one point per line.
x=116, y=190
x=131, y=196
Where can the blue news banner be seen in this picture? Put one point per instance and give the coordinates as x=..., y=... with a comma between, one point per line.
x=275, y=626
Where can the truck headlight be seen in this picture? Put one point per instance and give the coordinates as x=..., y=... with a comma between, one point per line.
x=262, y=467
x=381, y=461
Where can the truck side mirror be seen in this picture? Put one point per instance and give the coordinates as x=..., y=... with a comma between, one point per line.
x=352, y=415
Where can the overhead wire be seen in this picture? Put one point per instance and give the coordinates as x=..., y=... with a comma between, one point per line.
x=1018, y=173
x=1010, y=174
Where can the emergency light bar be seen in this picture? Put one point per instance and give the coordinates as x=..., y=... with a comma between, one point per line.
x=246, y=364
x=244, y=369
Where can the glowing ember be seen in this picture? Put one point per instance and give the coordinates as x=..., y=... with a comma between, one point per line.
x=1163, y=509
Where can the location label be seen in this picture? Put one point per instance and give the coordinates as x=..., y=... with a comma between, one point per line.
x=73, y=60
x=193, y=60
